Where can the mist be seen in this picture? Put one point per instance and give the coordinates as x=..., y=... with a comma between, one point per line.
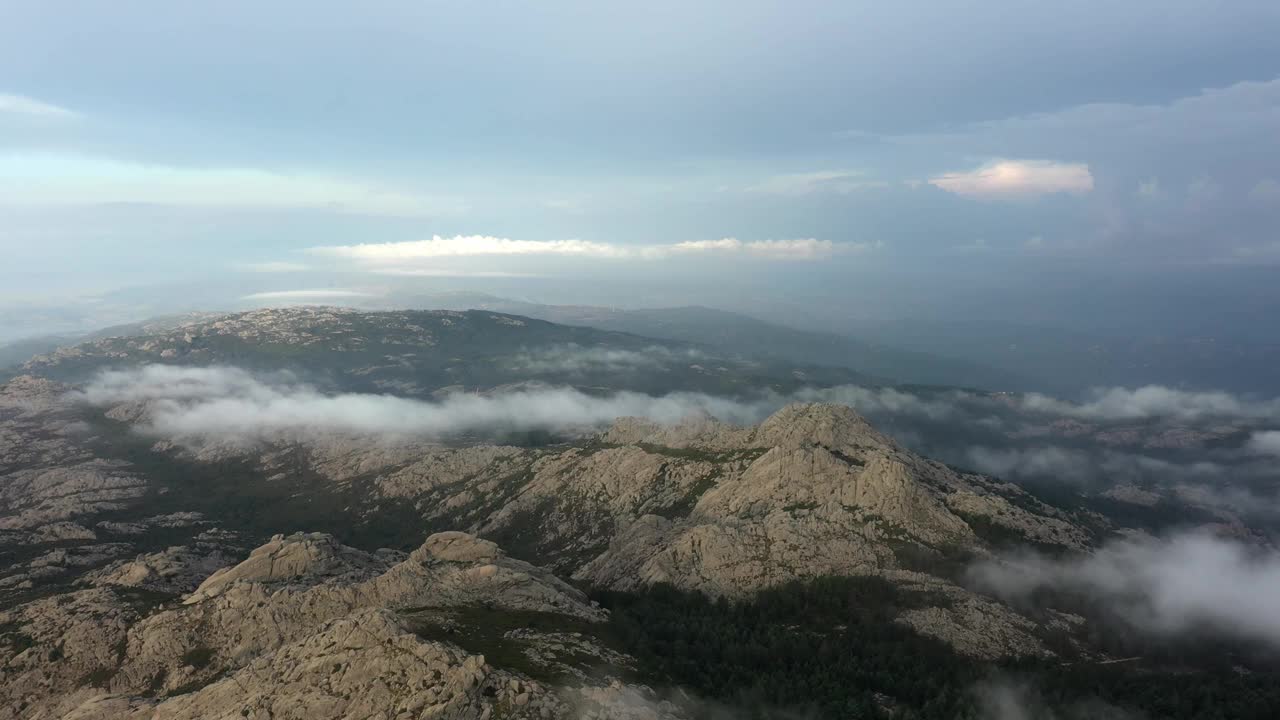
x=1187, y=583
x=577, y=359
x=1004, y=698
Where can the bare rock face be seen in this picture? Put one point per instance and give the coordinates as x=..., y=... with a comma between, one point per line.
x=56, y=650
x=310, y=557
x=38, y=497
x=812, y=491
x=304, y=627
x=365, y=665
x=175, y=570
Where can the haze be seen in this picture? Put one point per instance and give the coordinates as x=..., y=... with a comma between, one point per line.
x=1010, y=185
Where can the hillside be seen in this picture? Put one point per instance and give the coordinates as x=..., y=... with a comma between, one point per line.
x=741, y=334
x=417, y=353
x=172, y=552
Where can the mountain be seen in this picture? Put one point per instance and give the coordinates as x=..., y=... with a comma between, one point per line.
x=417, y=353
x=741, y=334
x=628, y=569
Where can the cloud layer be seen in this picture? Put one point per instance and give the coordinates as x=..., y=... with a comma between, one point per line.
x=578, y=359
x=1187, y=583
x=231, y=403
x=1155, y=401
x=1018, y=178
x=393, y=255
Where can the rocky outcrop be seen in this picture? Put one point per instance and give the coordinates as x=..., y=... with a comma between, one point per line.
x=303, y=625
x=365, y=665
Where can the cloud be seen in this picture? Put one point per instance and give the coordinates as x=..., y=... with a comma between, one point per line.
x=469, y=246
x=1082, y=466
x=796, y=249
x=316, y=294
x=1265, y=443
x=1074, y=466
x=578, y=359
x=1190, y=582
x=30, y=107
x=230, y=403
x=1153, y=402
x=839, y=182
x=1017, y=178
x=1002, y=698
x=390, y=257
x=62, y=180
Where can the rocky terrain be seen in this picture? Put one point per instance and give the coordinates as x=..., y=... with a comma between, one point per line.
x=418, y=353
x=154, y=574
x=303, y=627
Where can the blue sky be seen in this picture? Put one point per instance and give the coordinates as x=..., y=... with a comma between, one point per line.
x=729, y=148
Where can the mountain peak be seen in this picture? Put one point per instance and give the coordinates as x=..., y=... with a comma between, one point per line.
x=826, y=424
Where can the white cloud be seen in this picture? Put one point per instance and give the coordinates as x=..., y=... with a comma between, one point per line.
x=1265, y=443
x=1083, y=466
x=60, y=180
x=839, y=182
x=1188, y=583
x=470, y=246
x=391, y=257
x=1017, y=178
x=578, y=359
x=30, y=107
x=317, y=294
x=1154, y=401
x=231, y=403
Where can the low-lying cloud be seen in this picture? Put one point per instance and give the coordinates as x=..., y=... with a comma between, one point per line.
x=1003, y=698
x=1085, y=465
x=994, y=435
x=1155, y=402
x=573, y=359
x=1265, y=443
x=234, y=403
x=1188, y=583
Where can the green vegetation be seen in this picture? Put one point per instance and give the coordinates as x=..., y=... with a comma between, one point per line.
x=823, y=648
x=490, y=632
x=829, y=648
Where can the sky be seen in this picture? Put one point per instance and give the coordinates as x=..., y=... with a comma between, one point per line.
x=886, y=159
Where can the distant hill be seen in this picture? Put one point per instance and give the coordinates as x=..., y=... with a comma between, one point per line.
x=736, y=333
x=420, y=352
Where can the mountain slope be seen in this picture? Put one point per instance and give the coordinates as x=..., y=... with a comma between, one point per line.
x=417, y=353
x=735, y=333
